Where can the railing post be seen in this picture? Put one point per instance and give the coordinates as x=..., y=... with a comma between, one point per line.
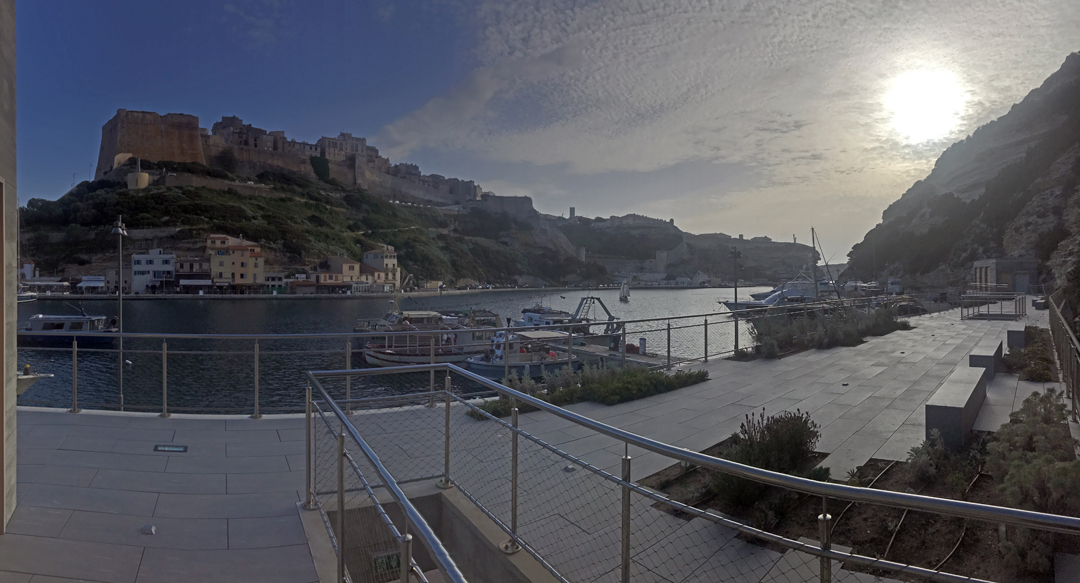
x=74, y=375
x=823, y=524
x=164, y=379
x=622, y=353
x=706, y=339
x=406, y=557
x=511, y=546
x=348, y=379
x=736, y=315
x=431, y=387
x=669, y=344
x=445, y=481
x=309, y=496
x=626, y=519
x=256, y=414
x=341, y=506
x=506, y=356
x=569, y=349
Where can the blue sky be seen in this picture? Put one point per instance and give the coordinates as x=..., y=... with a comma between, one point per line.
x=761, y=117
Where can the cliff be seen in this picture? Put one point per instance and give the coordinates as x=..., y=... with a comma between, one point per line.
x=1008, y=190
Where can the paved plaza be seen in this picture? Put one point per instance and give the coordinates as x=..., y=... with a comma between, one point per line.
x=227, y=509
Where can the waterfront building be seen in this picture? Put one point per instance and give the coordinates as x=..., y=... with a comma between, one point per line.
x=274, y=283
x=348, y=268
x=26, y=269
x=92, y=284
x=235, y=263
x=153, y=271
x=111, y=283
x=384, y=264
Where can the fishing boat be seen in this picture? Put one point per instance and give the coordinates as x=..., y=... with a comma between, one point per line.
x=423, y=336
x=529, y=355
x=578, y=321
x=62, y=330
x=624, y=292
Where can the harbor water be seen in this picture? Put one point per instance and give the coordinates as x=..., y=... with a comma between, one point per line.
x=213, y=375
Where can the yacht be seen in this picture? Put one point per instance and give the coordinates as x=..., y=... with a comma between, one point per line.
x=529, y=354
x=797, y=292
x=54, y=330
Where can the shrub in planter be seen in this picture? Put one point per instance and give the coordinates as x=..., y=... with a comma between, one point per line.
x=777, y=442
x=1032, y=460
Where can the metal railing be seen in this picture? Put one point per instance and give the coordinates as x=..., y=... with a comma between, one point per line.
x=257, y=373
x=1066, y=346
x=579, y=514
x=992, y=305
x=343, y=474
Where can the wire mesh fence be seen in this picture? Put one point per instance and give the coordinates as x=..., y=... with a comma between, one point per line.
x=578, y=513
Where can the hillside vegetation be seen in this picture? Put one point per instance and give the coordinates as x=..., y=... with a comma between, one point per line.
x=299, y=223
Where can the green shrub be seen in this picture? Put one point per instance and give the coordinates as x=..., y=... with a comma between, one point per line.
x=845, y=327
x=1033, y=461
x=600, y=384
x=778, y=443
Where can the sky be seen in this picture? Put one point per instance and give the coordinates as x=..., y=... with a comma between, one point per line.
x=761, y=117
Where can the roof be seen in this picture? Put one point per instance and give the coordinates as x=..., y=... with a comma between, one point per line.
x=542, y=335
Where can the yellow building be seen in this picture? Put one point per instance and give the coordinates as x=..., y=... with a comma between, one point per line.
x=235, y=262
x=348, y=269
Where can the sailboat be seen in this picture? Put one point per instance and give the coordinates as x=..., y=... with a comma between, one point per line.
x=624, y=292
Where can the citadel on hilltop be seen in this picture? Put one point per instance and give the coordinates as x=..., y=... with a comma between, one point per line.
x=347, y=159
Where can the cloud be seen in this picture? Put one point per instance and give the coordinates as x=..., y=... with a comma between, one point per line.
x=261, y=20
x=792, y=92
x=443, y=117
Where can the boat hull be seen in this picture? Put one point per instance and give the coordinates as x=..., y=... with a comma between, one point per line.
x=536, y=370
x=45, y=339
x=399, y=357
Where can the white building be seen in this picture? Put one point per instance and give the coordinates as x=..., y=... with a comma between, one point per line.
x=385, y=260
x=153, y=271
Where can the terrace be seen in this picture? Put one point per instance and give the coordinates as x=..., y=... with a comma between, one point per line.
x=234, y=505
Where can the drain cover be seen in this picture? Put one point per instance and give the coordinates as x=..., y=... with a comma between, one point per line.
x=171, y=448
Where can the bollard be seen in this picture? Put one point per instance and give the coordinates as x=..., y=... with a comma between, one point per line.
x=164, y=379
x=256, y=414
x=74, y=375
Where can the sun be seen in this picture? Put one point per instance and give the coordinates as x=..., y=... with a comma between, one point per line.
x=925, y=104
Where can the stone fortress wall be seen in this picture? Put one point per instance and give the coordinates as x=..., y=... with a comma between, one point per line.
x=351, y=161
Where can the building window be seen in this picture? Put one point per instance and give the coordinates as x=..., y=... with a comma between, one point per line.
x=243, y=276
x=220, y=275
x=256, y=265
x=137, y=262
x=149, y=261
x=221, y=264
x=165, y=262
x=243, y=264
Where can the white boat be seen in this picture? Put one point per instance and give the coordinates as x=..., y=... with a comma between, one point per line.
x=529, y=354
x=53, y=330
x=452, y=337
x=26, y=295
x=624, y=292
x=796, y=292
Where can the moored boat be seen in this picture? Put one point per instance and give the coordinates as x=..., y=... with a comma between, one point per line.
x=62, y=330
x=529, y=354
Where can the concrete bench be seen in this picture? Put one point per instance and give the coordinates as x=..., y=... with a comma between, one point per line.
x=1015, y=336
x=986, y=354
x=954, y=406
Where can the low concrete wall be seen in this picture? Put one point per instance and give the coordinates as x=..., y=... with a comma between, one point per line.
x=954, y=406
x=987, y=355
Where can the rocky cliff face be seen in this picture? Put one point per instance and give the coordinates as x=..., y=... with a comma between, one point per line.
x=1008, y=190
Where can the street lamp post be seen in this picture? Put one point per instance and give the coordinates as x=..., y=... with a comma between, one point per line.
x=735, y=256
x=120, y=232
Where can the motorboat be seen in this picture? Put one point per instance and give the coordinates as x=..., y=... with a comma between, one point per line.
x=26, y=379
x=624, y=292
x=578, y=321
x=527, y=354
x=797, y=292
x=62, y=330
x=26, y=295
x=419, y=336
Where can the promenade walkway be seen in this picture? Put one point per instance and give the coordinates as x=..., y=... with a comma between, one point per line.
x=227, y=509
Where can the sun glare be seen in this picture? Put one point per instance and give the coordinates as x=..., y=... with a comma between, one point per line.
x=925, y=104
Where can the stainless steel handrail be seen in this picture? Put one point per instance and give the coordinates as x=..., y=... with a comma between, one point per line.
x=446, y=563
x=958, y=508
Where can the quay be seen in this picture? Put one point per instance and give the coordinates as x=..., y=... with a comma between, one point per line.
x=229, y=509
